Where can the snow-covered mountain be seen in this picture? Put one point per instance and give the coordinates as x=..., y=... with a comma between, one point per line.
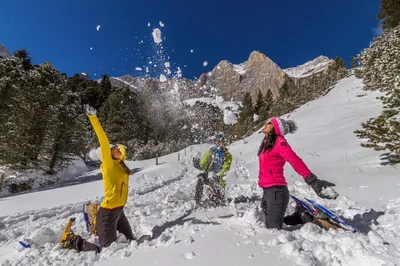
x=232, y=81
x=160, y=203
x=307, y=69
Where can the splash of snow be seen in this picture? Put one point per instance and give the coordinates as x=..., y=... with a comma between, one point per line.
x=161, y=24
x=157, y=35
x=148, y=24
x=138, y=68
x=179, y=72
x=205, y=63
x=98, y=27
x=163, y=78
x=256, y=117
x=229, y=117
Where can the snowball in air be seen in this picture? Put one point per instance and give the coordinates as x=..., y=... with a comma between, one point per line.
x=138, y=69
x=205, y=63
x=98, y=27
x=163, y=78
x=161, y=24
x=157, y=35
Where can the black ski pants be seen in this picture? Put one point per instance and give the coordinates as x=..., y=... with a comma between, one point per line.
x=274, y=203
x=108, y=222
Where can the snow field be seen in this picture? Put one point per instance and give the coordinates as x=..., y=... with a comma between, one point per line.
x=160, y=203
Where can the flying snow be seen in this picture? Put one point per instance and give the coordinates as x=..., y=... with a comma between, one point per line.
x=205, y=63
x=191, y=50
x=148, y=24
x=157, y=35
x=98, y=27
x=163, y=78
x=138, y=68
x=161, y=24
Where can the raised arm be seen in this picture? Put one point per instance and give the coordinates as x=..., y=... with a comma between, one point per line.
x=101, y=136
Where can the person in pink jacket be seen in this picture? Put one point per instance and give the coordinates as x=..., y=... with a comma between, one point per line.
x=273, y=153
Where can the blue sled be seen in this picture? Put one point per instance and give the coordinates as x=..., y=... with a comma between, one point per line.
x=332, y=215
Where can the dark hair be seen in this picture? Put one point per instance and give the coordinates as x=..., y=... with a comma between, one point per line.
x=122, y=163
x=267, y=143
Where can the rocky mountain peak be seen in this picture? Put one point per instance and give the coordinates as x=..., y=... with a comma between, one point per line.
x=257, y=59
x=232, y=81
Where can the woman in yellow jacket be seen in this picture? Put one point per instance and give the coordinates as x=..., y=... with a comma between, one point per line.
x=110, y=216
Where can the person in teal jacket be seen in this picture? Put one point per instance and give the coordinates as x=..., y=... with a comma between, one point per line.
x=216, y=160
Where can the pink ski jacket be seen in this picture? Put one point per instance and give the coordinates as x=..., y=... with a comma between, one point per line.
x=271, y=164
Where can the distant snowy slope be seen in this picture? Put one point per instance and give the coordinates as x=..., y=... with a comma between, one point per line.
x=309, y=68
x=160, y=203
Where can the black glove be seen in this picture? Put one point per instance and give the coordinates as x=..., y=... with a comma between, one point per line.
x=320, y=185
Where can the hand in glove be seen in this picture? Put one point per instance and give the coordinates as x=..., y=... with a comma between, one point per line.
x=322, y=187
x=90, y=110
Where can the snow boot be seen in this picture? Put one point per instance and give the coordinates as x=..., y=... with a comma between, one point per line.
x=68, y=238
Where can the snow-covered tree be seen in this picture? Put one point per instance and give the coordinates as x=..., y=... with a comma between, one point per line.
x=389, y=14
x=381, y=70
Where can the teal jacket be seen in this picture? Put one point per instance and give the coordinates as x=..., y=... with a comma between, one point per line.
x=215, y=163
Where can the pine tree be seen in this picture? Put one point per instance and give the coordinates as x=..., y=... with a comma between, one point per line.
x=353, y=62
x=259, y=103
x=246, y=112
x=13, y=82
x=105, y=88
x=339, y=62
x=267, y=105
x=26, y=59
x=389, y=14
x=381, y=70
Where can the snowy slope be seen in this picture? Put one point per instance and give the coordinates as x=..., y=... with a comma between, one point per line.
x=160, y=196
x=309, y=68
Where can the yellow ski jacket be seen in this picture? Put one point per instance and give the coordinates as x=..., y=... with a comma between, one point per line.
x=115, y=178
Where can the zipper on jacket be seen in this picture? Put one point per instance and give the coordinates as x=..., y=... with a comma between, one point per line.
x=122, y=185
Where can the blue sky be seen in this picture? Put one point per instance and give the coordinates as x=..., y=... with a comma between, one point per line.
x=290, y=32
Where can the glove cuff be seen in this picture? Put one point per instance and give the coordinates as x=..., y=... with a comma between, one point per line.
x=310, y=179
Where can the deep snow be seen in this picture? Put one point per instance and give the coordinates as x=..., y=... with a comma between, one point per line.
x=160, y=195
